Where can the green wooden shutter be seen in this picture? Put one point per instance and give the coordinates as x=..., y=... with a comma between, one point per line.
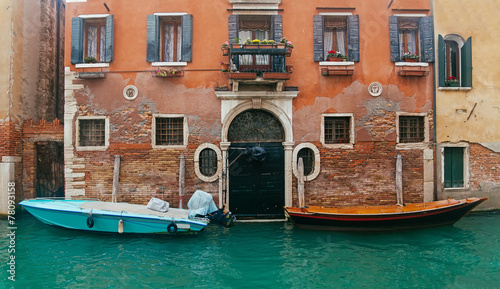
x=108, y=51
x=394, y=38
x=441, y=62
x=76, y=40
x=153, y=39
x=353, y=37
x=453, y=167
x=233, y=22
x=277, y=27
x=426, y=25
x=466, y=52
x=318, y=37
x=187, y=38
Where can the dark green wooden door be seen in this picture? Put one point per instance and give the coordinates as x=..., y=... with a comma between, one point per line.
x=256, y=187
x=453, y=167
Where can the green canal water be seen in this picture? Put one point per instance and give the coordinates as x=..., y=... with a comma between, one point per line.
x=256, y=255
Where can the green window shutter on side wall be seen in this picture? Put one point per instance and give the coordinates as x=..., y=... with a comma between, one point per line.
x=153, y=39
x=187, y=38
x=466, y=52
x=318, y=37
x=76, y=40
x=441, y=61
x=108, y=52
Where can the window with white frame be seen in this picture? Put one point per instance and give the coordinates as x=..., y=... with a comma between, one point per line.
x=337, y=130
x=412, y=130
x=169, y=130
x=92, y=38
x=455, y=165
x=411, y=37
x=207, y=162
x=338, y=32
x=92, y=133
x=455, y=61
x=310, y=156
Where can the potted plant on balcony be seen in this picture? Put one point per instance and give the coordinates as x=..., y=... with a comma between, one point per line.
x=236, y=43
x=288, y=46
x=334, y=56
x=225, y=49
x=410, y=57
x=276, y=75
x=225, y=66
x=243, y=74
x=452, y=81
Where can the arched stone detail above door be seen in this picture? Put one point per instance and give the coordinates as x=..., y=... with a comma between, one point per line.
x=255, y=125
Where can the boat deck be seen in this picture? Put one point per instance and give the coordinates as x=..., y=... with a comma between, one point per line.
x=376, y=210
x=134, y=209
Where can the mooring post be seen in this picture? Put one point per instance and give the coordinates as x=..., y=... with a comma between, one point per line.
x=182, y=179
x=116, y=177
x=399, y=180
x=300, y=183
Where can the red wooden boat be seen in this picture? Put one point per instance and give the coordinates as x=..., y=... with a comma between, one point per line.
x=380, y=218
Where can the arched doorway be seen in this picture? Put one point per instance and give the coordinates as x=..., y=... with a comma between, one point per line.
x=256, y=164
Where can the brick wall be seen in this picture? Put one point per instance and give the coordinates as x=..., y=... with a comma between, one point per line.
x=484, y=167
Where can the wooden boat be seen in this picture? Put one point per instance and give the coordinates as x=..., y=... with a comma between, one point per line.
x=97, y=216
x=379, y=218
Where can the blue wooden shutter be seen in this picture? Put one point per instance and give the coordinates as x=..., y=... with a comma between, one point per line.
x=353, y=37
x=426, y=25
x=318, y=37
x=277, y=27
x=153, y=39
x=233, y=22
x=466, y=52
x=441, y=62
x=108, y=51
x=76, y=40
x=394, y=38
x=187, y=38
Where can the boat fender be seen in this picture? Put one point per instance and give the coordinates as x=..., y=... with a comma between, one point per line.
x=120, y=226
x=172, y=228
x=90, y=222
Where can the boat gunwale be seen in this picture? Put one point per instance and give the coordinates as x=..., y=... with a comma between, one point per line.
x=407, y=213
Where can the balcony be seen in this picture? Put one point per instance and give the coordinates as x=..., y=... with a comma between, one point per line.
x=258, y=66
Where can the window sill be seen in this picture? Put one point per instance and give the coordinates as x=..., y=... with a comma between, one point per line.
x=415, y=64
x=168, y=63
x=412, y=146
x=169, y=146
x=339, y=146
x=336, y=63
x=91, y=148
x=455, y=88
x=91, y=65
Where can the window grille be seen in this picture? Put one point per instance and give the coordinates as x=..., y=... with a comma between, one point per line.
x=307, y=156
x=337, y=130
x=169, y=131
x=411, y=129
x=92, y=132
x=208, y=162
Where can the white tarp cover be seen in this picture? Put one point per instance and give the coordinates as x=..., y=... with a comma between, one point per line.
x=201, y=203
x=157, y=205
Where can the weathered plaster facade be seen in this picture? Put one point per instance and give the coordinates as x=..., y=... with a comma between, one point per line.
x=468, y=117
x=30, y=76
x=361, y=172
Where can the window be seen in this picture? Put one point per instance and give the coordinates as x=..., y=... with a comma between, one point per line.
x=311, y=159
x=411, y=129
x=454, y=167
x=169, y=131
x=337, y=130
x=92, y=36
x=411, y=35
x=92, y=133
x=169, y=37
x=455, y=61
x=307, y=156
x=334, y=31
x=207, y=162
x=254, y=27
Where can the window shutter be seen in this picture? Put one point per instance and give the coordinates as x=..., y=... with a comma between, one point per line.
x=187, y=38
x=233, y=27
x=153, y=39
x=76, y=40
x=353, y=37
x=277, y=27
x=318, y=37
x=426, y=26
x=394, y=38
x=108, y=52
x=441, y=62
x=466, y=52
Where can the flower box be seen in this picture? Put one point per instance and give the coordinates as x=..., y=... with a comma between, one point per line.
x=276, y=75
x=243, y=75
x=165, y=73
x=452, y=84
x=225, y=50
x=334, y=59
x=411, y=59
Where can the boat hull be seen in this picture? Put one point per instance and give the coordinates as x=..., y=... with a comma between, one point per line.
x=70, y=214
x=446, y=215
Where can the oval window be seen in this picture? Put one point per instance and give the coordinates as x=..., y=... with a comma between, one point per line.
x=208, y=162
x=307, y=156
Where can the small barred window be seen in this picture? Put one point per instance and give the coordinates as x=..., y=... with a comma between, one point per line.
x=92, y=132
x=208, y=162
x=169, y=131
x=411, y=129
x=337, y=130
